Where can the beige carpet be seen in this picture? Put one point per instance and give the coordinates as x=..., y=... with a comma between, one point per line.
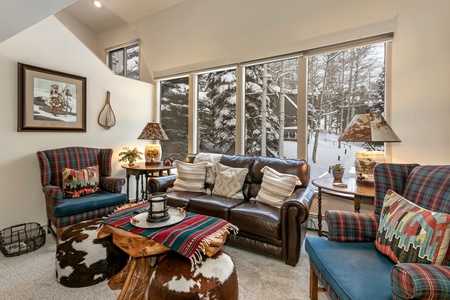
x=31, y=276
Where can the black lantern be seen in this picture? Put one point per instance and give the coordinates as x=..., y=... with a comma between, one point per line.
x=157, y=211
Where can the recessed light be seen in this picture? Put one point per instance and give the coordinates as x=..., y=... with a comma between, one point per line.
x=97, y=4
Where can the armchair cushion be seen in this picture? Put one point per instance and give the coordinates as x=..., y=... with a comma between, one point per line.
x=344, y=226
x=409, y=233
x=78, y=183
x=420, y=281
x=336, y=262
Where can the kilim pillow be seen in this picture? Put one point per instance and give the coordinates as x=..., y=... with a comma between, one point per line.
x=410, y=234
x=190, y=178
x=77, y=183
x=229, y=181
x=276, y=187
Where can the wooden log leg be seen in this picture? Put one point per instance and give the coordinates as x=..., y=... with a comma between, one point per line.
x=137, y=280
x=313, y=284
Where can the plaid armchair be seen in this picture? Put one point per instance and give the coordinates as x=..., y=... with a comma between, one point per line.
x=350, y=246
x=63, y=211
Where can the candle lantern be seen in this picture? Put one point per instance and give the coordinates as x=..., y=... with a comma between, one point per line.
x=157, y=211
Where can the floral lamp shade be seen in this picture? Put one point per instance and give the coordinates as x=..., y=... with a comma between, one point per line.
x=153, y=131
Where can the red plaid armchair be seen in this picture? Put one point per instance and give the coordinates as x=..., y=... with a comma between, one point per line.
x=63, y=209
x=348, y=264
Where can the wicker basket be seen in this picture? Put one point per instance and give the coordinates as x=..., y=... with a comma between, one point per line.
x=22, y=238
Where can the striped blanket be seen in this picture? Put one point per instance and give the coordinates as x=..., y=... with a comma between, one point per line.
x=188, y=237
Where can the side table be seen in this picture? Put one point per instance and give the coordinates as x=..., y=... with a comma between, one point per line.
x=325, y=185
x=140, y=169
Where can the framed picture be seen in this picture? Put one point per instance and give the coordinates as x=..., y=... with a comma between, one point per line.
x=50, y=100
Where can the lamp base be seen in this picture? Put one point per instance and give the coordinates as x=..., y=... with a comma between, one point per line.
x=152, y=153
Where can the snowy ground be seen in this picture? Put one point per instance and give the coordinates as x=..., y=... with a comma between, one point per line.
x=328, y=154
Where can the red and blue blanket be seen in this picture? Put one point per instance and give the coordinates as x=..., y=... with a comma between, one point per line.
x=188, y=237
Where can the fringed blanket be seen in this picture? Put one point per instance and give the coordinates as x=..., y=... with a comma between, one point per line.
x=190, y=237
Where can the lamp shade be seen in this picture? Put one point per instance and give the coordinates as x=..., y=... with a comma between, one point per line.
x=153, y=131
x=368, y=127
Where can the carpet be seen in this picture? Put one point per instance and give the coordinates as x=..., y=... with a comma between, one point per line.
x=31, y=276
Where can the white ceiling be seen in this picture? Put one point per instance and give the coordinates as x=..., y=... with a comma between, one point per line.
x=115, y=13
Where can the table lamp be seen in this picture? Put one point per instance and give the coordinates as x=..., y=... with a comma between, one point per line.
x=153, y=131
x=369, y=128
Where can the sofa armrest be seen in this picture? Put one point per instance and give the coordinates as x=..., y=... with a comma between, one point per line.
x=161, y=184
x=293, y=213
x=420, y=281
x=54, y=194
x=112, y=184
x=345, y=226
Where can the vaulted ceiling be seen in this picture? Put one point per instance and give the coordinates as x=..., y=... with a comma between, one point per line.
x=17, y=15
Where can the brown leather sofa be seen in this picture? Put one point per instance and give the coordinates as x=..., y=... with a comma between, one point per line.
x=262, y=228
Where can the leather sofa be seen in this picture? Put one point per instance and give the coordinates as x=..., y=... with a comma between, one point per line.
x=277, y=232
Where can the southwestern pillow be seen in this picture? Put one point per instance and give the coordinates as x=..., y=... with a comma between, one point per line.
x=276, y=187
x=190, y=178
x=409, y=233
x=78, y=183
x=229, y=181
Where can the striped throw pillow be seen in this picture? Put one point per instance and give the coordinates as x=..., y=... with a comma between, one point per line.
x=276, y=187
x=190, y=178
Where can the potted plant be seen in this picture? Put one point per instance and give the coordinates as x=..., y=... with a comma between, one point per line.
x=338, y=171
x=130, y=155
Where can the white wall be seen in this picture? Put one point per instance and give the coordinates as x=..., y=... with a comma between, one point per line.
x=204, y=33
x=49, y=44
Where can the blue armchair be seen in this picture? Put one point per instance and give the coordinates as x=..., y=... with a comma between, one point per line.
x=348, y=264
x=71, y=199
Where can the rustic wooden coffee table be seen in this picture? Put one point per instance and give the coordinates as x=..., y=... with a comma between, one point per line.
x=134, y=278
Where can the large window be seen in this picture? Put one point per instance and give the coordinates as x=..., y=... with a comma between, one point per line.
x=216, y=122
x=124, y=60
x=293, y=106
x=340, y=85
x=174, y=116
x=271, y=108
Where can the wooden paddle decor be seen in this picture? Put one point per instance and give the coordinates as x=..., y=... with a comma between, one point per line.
x=106, y=118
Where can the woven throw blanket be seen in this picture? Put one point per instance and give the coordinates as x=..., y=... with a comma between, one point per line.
x=189, y=237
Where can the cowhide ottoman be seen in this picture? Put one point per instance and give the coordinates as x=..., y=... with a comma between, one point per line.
x=213, y=278
x=83, y=260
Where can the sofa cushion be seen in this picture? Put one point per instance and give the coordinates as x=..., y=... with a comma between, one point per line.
x=213, y=205
x=72, y=206
x=409, y=233
x=181, y=199
x=276, y=187
x=257, y=218
x=229, y=181
x=78, y=183
x=212, y=159
x=190, y=178
x=338, y=269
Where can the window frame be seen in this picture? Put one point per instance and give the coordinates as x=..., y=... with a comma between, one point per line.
x=124, y=47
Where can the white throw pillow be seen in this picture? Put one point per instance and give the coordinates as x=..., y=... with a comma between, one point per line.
x=211, y=159
x=190, y=178
x=276, y=187
x=229, y=181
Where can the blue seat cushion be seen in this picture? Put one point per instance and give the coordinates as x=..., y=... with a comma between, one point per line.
x=354, y=270
x=72, y=206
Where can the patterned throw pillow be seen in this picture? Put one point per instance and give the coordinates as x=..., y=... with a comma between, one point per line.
x=190, y=178
x=212, y=159
x=78, y=183
x=276, y=187
x=410, y=234
x=229, y=181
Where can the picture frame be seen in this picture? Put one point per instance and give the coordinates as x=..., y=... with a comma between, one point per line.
x=49, y=100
